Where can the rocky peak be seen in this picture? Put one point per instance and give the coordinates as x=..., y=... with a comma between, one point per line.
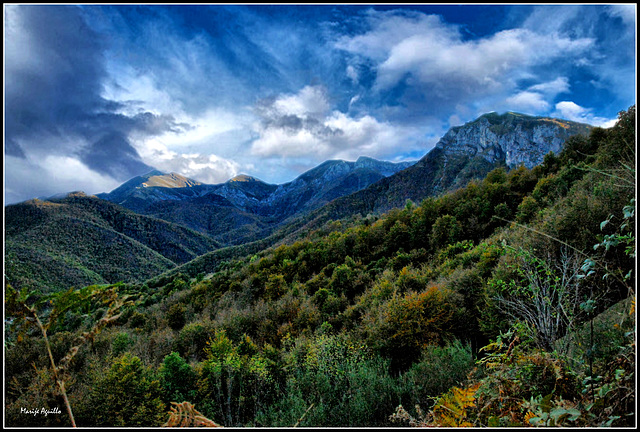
x=516, y=139
x=171, y=180
x=244, y=178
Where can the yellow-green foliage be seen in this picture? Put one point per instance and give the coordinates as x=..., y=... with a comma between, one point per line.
x=451, y=408
x=129, y=395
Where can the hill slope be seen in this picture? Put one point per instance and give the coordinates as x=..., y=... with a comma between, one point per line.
x=81, y=240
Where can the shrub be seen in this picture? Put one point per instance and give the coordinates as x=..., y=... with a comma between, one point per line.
x=439, y=369
x=178, y=379
x=120, y=343
x=128, y=395
x=232, y=385
x=413, y=322
x=334, y=383
x=176, y=316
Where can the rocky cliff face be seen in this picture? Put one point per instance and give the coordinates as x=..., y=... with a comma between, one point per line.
x=512, y=138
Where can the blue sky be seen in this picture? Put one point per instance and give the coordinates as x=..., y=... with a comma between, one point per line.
x=95, y=95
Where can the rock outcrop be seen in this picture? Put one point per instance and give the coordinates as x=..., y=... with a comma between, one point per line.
x=512, y=138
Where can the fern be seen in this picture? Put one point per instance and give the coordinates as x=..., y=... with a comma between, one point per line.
x=451, y=408
x=185, y=415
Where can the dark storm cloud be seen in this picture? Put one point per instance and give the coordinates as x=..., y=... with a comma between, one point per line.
x=52, y=70
x=55, y=71
x=113, y=155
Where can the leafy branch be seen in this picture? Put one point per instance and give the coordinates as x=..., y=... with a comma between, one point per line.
x=17, y=307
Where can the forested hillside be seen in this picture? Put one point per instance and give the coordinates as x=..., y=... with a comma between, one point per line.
x=508, y=302
x=79, y=240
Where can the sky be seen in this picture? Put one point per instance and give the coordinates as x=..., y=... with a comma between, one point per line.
x=97, y=94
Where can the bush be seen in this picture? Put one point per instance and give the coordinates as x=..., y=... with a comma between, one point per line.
x=439, y=369
x=120, y=343
x=176, y=316
x=415, y=321
x=192, y=340
x=178, y=379
x=233, y=385
x=338, y=383
x=128, y=395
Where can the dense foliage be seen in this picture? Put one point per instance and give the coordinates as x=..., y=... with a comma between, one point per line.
x=509, y=302
x=80, y=240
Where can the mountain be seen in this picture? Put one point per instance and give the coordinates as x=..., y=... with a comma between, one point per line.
x=463, y=154
x=140, y=192
x=80, y=240
x=512, y=138
x=160, y=221
x=246, y=208
x=331, y=179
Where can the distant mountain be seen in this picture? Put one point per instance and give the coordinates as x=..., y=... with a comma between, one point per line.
x=140, y=192
x=246, y=208
x=80, y=240
x=328, y=181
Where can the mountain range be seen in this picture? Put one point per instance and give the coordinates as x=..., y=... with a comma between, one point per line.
x=244, y=207
x=161, y=222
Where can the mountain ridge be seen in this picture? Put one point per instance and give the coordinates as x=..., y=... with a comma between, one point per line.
x=434, y=174
x=248, y=211
x=80, y=240
x=245, y=207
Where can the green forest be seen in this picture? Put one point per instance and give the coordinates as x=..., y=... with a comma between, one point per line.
x=509, y=302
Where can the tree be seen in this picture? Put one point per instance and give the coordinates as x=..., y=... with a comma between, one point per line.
x=178, y=379
x=128, y=395
x=176, y=316
x=446, y=230
x=548, y=296
x=234, y=382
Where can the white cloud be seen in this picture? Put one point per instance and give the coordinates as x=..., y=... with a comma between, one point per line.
x=552, y=88
x=352, y=73
x=571, y=111
x=441, y=69
x=280, y=142
x=311, y=101
x=55, y=175
x=207, y=129
x=364, y=136
x=301, y=125
x=528, y=102
x=138, y=92
x=205, y=150
x=392, y=28
x=537, y=98
x=437, y=56
x=207, y=168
